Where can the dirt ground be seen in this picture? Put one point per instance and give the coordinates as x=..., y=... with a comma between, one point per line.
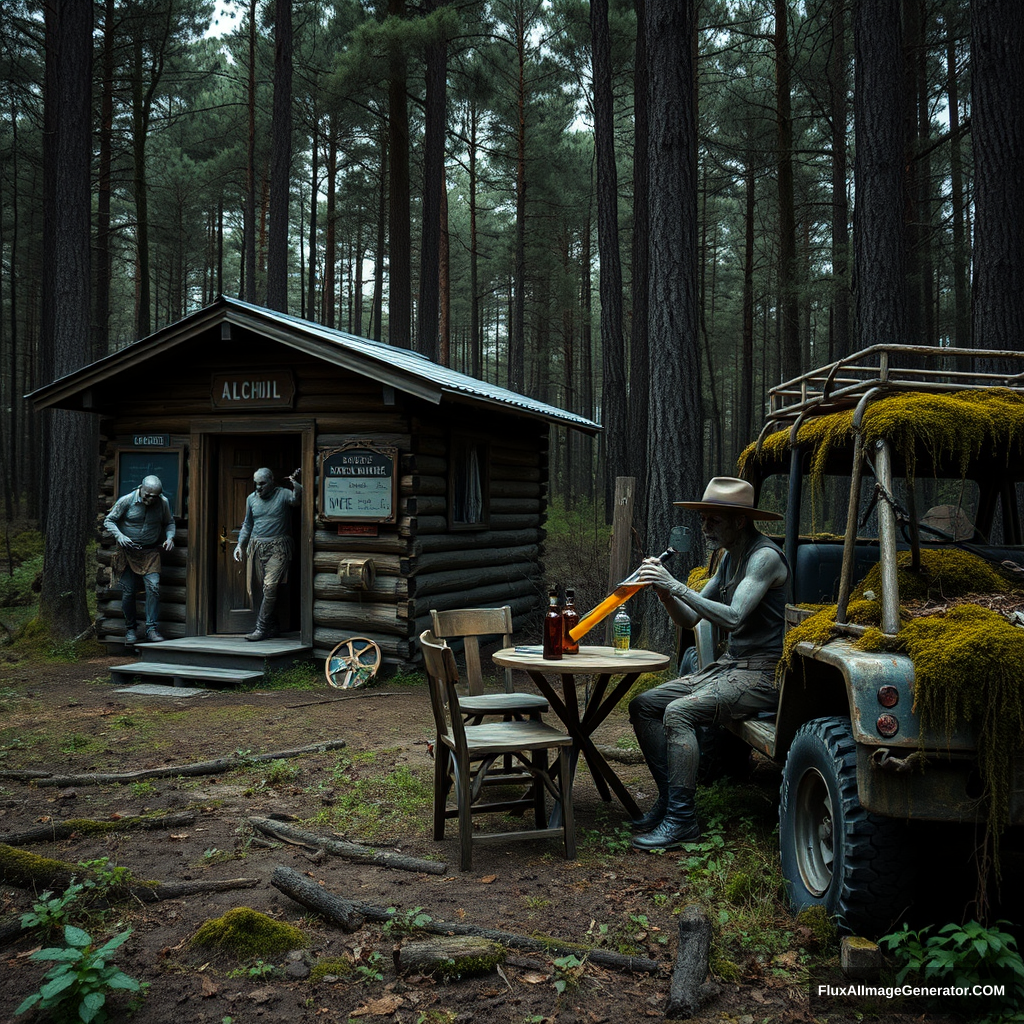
x=68, y=718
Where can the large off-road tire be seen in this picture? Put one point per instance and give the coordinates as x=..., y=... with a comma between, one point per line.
x=834, y=853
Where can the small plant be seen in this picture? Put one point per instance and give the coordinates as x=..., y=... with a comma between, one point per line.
x=143, y=789
x=964, y=956
x=79, y=982
x=73, y=742
x=410, y=921
x=369, y=968
x=257, y=970
x=50, y=913
x=569, y=971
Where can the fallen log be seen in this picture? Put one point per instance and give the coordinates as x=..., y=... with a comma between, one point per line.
x=314, y=897
x=10, y=929
x=691, y=968
x=451, y=956
x=350, y=851
x=222, y=764
x=55, y=831
x=26, y=870
x=602, y=957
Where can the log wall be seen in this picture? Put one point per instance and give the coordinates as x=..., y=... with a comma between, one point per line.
x=420, y=562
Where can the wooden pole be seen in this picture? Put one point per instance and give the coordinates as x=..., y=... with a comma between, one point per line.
x=622, y=530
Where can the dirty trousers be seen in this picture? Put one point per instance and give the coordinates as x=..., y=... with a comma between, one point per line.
x=666, y=718
x=268, y=566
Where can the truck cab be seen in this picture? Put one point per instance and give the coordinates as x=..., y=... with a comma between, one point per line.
x=900, y=472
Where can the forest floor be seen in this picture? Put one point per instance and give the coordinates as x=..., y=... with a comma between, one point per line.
x=68, y=718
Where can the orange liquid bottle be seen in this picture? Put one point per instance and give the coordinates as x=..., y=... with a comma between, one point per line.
x=619, y=596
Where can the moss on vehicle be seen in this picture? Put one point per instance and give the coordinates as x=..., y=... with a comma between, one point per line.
x=249, y=933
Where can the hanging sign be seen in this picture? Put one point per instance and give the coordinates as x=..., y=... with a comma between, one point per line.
x=358, y=484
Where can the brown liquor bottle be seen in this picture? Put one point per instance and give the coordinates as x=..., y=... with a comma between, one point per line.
x=569, y=619
x=553, y=629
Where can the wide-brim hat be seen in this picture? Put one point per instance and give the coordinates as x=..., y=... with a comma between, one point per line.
x=728, y=494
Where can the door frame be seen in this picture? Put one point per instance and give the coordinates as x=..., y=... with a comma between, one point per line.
x=199, y=582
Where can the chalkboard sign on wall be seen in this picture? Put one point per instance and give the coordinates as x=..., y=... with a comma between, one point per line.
x=358, y=483
x=131, y=465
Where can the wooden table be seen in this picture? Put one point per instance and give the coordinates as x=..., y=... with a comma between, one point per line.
x=605, y=664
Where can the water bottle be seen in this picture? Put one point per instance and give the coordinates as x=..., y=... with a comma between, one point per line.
x=621, y=628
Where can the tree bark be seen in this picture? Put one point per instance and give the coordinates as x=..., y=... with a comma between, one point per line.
x=315, y=898
x=961, y=308
x=350, y=851
x=72, y=467
x=280, y=159
x=223, y=764
x=456, y=956
x=838, y=89
x=57, y=831
x=675, y=438
x=614, y=393
x=691, y=968
x=399, y=227
x=997, y=128
x=879, y=244
x=788, y=283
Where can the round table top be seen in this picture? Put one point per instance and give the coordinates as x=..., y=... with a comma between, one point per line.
x=592, y=660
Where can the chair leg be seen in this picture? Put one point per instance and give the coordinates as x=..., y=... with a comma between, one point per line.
x=462, y=786
x=568, y=818
x=442, y=783
x=540, y=766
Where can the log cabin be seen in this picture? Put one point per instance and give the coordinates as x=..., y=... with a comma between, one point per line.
x=423, y=487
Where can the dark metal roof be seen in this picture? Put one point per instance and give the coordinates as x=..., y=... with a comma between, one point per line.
x=403, y=369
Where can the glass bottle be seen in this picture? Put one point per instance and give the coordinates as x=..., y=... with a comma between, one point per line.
x=620, y=595
x=553, y=629
x=569, y=619
x=621, y=629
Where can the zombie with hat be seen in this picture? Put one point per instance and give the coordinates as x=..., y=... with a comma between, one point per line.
x=746, y=598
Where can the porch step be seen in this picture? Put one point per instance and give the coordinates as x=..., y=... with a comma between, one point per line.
x=226, y=652
x=179, y=675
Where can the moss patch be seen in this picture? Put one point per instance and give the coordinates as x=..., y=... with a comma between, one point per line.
x=248, y=933
x=332, y=968
x=954, y=428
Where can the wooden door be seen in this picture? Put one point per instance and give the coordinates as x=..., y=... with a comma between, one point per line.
x=239, y=456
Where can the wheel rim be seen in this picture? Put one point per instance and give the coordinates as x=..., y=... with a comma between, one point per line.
x=814, y=833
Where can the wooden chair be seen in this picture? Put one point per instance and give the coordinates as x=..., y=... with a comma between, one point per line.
x=469, y=624
x=464, y=755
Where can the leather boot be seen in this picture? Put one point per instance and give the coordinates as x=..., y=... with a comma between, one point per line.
x=650, y=734
x=679, y=826
x=263, y=631
x=653, y=817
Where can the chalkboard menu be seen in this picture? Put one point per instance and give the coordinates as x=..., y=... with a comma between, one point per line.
x=358, y=483
x=131, y=465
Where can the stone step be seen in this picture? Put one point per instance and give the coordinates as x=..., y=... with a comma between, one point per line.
x=180, y=674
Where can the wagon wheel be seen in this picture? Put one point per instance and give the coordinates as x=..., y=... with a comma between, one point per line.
x=352, y=663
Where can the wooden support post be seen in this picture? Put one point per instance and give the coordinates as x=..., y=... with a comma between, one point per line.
x=622, y=531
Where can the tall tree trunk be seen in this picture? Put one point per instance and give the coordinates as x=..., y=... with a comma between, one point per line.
x=475, y=337
x=435, y=122
x=249, y=210
x=399, y=224
x=997, y=128
x=838, y=88
x=788, y=285
x=879, y=243
x=639, y=353
x=675, y=437
x=613, y=394
x=331, y=232
x=444, y=327
x=745, y=417
x=72, y=468
x=140, y=129
x=377, y=311
x=517, y=335
x=314, y=204
x=101, y=327
x=961, y=309
x=280, y=159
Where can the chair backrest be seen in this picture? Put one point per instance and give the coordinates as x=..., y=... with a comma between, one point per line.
x=442, y=675
x=470, y=624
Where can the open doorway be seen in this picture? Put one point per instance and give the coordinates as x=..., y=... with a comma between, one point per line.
x=237, y=457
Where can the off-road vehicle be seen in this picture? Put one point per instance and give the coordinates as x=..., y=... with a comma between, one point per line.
x=899, y=470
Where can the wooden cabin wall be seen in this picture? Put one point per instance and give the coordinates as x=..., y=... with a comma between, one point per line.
x=420, y=564
x=172, y=569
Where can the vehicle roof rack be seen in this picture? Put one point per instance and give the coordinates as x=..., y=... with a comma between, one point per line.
x=889, y=368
